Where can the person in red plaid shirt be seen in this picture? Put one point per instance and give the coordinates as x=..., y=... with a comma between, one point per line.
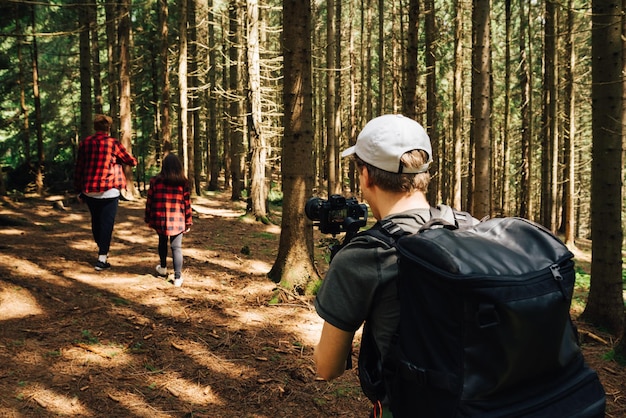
x=98, y=179
x=168, y=212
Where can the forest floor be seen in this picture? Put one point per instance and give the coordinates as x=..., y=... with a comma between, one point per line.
x=125, y=343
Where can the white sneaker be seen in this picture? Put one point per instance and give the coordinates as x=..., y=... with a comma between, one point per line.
x=161, y=271
x=178, y=282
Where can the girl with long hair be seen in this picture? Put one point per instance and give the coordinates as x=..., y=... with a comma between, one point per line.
x=168, y=212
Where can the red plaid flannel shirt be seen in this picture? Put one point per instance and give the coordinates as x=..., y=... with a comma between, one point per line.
x=168, y=207
x=99, y=164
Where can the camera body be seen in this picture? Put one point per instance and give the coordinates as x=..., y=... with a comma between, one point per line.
x=337, y=214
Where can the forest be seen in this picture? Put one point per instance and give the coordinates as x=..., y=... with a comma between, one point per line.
x=523, y=102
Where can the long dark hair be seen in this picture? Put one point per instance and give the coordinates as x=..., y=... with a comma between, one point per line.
x=172, y=171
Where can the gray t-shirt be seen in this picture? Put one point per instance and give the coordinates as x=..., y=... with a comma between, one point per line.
x=359, y=285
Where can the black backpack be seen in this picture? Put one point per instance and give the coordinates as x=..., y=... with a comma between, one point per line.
x=485, y=327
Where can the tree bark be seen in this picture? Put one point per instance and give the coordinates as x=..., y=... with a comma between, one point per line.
x=332, y=157
x=409, y=106
x=457, y=112
x=605, y=304
x=236, y=131
x=131, y=191
x=525, y=207
x=434, y=190
x=183, y=112
x=86, y=104
x=98, y=106
x=258, y=189
x=113, y=55
x=164, y=80
x=294, y=267
x=569, y=134
x=481, y=107
x=39, y=172
x=214, y=166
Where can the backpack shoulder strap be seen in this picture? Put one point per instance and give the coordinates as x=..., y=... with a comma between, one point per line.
x=386, y=231
x=446, y=217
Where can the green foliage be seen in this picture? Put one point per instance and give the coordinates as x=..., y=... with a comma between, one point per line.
x=583, y=279
x=275, y=197
x=120, y=301
x=614, y=356
x=89, y=337
x=313, y=287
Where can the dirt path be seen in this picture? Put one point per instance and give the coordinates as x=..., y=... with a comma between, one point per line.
x=125, y=343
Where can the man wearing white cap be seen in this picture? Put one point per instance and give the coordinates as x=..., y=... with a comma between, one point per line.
x=392, y=154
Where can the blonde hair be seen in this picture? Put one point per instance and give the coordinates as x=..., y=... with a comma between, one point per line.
x=400, y=182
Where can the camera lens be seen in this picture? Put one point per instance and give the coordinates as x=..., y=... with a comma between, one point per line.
x=312, y=208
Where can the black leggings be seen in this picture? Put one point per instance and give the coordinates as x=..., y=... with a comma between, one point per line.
x=103, y=213
x=176, y=242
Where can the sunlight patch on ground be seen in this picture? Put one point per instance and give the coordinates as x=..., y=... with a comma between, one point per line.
x=17, y=303
x=240, y=264
x=82, y=245
x=132, y=236
x=222, y=213
x=56, y=403
x=137, y=406
x=204, y=357
x=11, y=231
x=105, y=356
x=307, y=325
x=246, y=317
x=25, y=268
x=74, y=218
x=189, y=392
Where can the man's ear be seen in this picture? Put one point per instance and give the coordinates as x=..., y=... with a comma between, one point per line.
x=365, y=174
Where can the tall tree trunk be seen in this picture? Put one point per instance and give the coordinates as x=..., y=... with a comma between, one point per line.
x=183, y=112
x=481, y=107
x=381, y=58
x=605, y=304
x=369, y=112
x=258, y=189
x=39, y=173
x=86, y=104
x=353, y=102
x=236, y=132
x=434, y=190
x=112, y=19
x=338, y=97
x=409, y=107
x=332, y=157
x=226, y=101
x=92, y=9
x=457, y=112
x=549, y=143
x=569, y=218
x=524, y=81
x=195, y=164
x=21, y=81
x=294, y=267
x=164, y=81
x=125, y=99
x=620, y=348
x=214, y=165
x=504, y=178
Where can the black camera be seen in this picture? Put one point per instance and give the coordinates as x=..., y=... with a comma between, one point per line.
x=337, y=214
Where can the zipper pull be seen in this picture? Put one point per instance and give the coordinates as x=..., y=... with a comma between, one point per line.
x=556, y=275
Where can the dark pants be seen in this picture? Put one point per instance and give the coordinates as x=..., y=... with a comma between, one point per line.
x=176, y=242
x=103, y=213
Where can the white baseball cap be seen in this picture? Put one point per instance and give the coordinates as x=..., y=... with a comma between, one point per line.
x=384, y=140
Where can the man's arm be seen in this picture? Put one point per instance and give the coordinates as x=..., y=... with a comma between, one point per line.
x=332, y=351
x=123, y=155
